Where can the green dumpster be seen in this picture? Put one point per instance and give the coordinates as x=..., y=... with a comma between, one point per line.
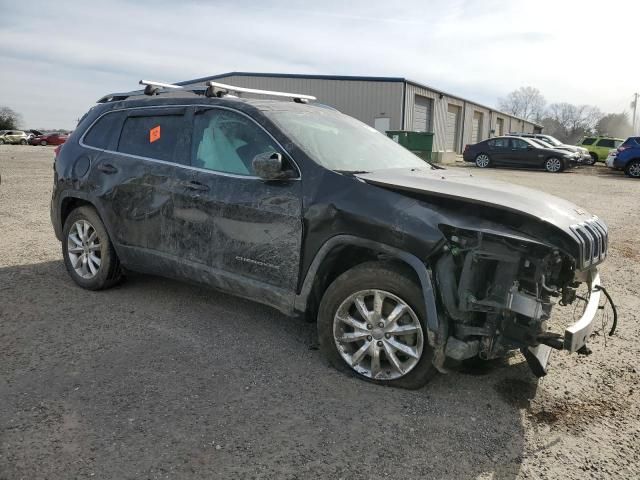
x=420, y=143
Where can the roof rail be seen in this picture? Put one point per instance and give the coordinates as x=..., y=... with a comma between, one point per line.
x=216, y=89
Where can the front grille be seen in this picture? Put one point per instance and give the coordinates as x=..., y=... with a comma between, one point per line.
x=593, y=239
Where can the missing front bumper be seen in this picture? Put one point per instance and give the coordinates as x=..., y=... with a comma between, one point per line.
x=576, y=335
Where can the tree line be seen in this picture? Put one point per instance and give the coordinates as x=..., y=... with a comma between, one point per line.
x=9, y=119
x=565, y=121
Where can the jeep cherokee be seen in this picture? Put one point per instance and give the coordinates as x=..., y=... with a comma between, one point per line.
x=302, y=208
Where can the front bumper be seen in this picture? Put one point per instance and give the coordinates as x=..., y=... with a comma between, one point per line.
x=576, y=335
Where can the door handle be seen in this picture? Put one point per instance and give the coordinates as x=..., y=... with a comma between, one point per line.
x=107, y=168
x=196, y=186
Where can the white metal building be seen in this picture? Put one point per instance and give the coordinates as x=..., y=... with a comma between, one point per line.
x=391, y=103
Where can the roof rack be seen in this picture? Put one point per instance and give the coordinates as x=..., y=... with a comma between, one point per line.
x=216, y=89
x=213, y=89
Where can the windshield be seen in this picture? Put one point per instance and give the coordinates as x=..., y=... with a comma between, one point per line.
x=339, y=142
x=552, y=140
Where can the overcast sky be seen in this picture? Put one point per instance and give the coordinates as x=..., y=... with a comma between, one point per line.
x=58, y=58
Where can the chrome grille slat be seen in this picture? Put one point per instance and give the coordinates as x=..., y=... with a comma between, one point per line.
x=593, y=241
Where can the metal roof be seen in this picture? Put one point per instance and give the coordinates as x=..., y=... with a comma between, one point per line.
x=350, y=78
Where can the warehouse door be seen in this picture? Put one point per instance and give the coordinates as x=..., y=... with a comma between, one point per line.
x=499, y=127
x=422, y=112
x=476, y=127
x=453, y=120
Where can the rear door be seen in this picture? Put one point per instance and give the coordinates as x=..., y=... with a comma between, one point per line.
x=499, y=150
x=239, y=224
x=603, y=146
x=139, y=178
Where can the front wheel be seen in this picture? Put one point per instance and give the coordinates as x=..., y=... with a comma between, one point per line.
x=594, y=157
x=87, y=251
x=553, y=165
x=371, y=323
x=591, y=160
x=633, y=169
x=43, y=143
x=483, y=160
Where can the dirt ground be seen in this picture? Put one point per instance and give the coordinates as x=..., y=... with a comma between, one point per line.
x=158, y=379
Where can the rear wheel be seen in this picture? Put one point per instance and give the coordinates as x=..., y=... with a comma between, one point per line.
x=371, y=323
x=1, y=141
x=553, y=165
x=43, y=143
x=633, y=169
x=483, y=160
x=23, y=142
x=87, y=251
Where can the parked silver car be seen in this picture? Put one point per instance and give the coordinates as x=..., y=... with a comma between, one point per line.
x=14, y=137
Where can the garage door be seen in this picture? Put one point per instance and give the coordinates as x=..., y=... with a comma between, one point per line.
x=453, y=119
x=499, y=127
x=476, y=127
x=422, y=111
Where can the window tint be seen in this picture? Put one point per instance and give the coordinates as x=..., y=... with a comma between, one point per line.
x=104, y=133
x=499, y=143
x=617, y=143
x=519, y=144
x=606, y=142
x=588, y=141
x=227, y=142
x=637, y=140
x=153, y=137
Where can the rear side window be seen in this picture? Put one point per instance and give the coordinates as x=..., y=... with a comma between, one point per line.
x=607, y=143
x=499, y=143
x=588, y=141
x=156, y=137
x=104, y=133
x=519, y=144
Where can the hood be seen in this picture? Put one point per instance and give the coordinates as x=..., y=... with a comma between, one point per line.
x=481, y=191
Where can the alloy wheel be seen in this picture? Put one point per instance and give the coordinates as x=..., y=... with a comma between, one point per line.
x=553, y=165
x=378, y=334
x=83, y=249
x=634, y=170
x=482, y=160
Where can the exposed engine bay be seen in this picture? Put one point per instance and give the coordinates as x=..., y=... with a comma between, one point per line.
x=498, y=293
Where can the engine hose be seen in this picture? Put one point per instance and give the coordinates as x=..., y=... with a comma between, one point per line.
x=614, y=324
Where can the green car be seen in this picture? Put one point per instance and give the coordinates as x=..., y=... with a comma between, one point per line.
x=599, y=146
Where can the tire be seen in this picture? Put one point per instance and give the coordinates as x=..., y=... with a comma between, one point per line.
x=107, y=271
x=394, y=285
x=1, y=141
x=482, y=160
x=43, y=143
x=23, y=142
x=594, y=156
x=553, y=165
x=633, y=169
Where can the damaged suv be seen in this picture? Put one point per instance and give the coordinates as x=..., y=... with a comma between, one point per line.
x=297, y=206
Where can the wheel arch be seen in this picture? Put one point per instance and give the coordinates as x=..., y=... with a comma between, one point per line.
x=342, y=252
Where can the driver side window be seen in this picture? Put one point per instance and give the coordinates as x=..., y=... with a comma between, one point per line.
x=225, y=141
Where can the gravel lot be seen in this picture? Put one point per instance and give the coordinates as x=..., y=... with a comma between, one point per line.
x=158, y=379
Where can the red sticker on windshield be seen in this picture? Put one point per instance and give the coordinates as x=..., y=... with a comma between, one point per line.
x=154, y=134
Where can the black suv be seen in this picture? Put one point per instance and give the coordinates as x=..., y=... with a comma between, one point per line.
x=312, y=212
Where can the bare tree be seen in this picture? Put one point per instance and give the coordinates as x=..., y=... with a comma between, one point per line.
x=569, y=122
x=9, y=119
x=525, y=102
x=615, y=124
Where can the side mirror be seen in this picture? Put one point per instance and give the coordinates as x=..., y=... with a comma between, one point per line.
x=268, y=166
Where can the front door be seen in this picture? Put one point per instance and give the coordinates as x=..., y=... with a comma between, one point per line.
x=239, y=224
x=523, y=154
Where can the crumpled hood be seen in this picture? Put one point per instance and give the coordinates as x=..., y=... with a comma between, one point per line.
x=481, y=191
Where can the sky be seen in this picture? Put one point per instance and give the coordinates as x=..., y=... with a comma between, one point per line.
x=58, y=58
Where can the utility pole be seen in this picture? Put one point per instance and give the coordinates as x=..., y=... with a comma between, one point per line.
x=635, y=108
